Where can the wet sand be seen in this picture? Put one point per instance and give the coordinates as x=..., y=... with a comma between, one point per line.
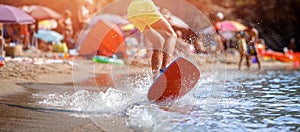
x=20, y=112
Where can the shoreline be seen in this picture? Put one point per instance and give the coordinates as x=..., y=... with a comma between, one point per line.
x=62, y=75
x=18, y=72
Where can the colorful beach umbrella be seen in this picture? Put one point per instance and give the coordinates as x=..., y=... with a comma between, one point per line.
x=49, y=36
x=118, y=20
x=230, y=26
x=113, y=18
x=42, y=12
x=48, y=24
x=11, y=14
x=211, y=31
x=102, y=38
x=178, y=22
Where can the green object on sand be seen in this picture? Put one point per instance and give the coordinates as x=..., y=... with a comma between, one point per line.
x=103, y=59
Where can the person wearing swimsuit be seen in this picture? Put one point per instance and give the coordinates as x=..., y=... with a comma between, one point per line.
x=145, y=16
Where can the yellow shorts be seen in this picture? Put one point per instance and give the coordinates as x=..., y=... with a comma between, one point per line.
x=143, y=13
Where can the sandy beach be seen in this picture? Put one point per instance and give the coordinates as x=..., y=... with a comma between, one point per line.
x=60, y=71
x=18, y=76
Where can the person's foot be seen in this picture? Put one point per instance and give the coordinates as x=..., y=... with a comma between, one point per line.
x=155, y=74
x=166, y=60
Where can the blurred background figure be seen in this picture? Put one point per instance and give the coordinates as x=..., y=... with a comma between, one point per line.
x=261, y=47
x=252, y=38
x=24, y=32
x=182, y=46
x=218, y=18
x=242, y=47
x=166, y=13
x=199, y=46
x=84, y=13
x=292, y=44
x=11, y=33
x=32, y=39
x=220, y=42
x=67, y=26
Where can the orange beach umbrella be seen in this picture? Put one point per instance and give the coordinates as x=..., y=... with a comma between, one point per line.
x=102, y=38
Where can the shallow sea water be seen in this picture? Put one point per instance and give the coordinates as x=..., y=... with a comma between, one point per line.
x=234, y=101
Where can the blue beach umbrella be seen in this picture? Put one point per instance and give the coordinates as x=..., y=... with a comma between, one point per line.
x=49, y=36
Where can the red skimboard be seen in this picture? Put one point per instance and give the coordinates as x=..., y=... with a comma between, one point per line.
x=177, y=80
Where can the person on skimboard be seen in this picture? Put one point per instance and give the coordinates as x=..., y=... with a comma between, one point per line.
x=146, y=17
x=181, y=75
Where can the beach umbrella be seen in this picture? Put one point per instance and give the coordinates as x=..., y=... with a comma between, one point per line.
x=118, y=20
x=225, y=34
x=48, y=24
x=113, y=18
x=49, y=35
x=42, y=12
x=11, y=14
x=102, y=38
x=230, y=26
x=178, y=22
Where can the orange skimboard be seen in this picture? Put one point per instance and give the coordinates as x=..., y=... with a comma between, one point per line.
x=177, y=80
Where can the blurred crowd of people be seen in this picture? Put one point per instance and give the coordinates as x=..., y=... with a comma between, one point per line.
x=246, y=42
x=24, y=33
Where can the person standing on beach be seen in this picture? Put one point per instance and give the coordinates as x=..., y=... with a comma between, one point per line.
x=67, y=25
x=252, y=39
x=145, y=16
x=242, y=45
x=24, y=34
x=84, y=14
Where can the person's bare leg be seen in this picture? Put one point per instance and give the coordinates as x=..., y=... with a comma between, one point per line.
x=258, y=62
x=166, y=30
x=240, y=62
x=157, y=41
x=248, y=57
x=168, y=49
x=155, y=62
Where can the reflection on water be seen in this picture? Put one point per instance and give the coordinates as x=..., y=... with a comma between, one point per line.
x=275, y=102
x=268, y=101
